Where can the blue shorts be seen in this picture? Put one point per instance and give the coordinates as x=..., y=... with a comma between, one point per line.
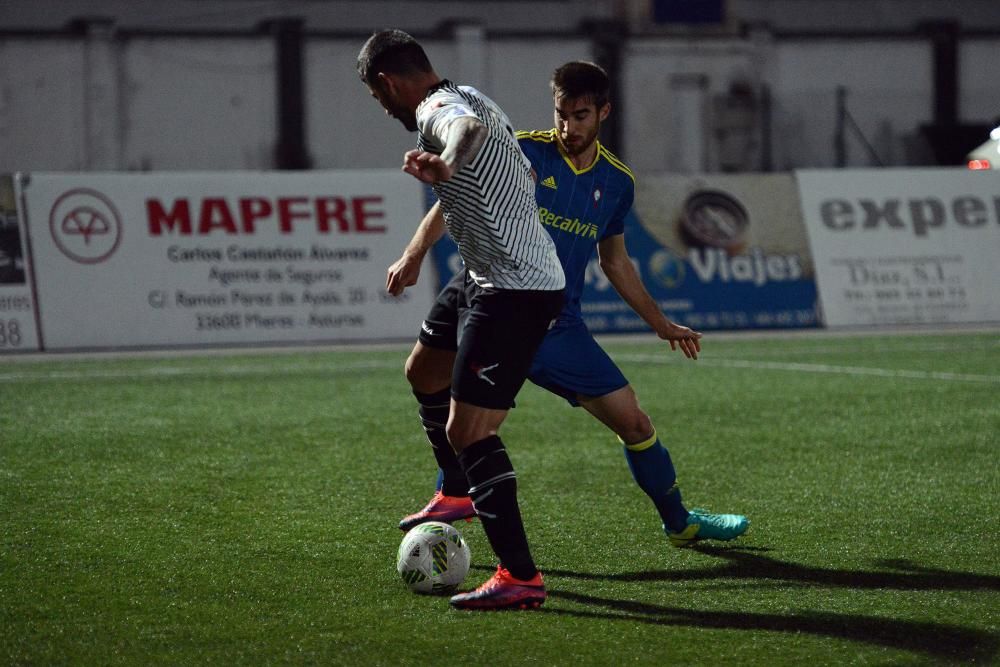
x=570, y=362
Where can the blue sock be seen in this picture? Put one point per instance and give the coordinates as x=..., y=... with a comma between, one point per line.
x=654, y=472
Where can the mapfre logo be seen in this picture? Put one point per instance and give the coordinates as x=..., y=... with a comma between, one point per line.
x=85, y=226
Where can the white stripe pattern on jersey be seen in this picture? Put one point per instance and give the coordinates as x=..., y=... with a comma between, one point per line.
x=489, y=205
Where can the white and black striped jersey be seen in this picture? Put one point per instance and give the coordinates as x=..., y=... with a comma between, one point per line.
x=489, y=205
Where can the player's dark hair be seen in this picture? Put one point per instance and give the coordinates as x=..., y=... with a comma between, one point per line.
x=581, y=80
x=392, y=52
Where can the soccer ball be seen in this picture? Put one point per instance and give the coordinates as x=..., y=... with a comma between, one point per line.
x=433, y=558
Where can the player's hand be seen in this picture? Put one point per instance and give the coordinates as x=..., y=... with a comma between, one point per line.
x=426, y=167
x=688, y=340
x=402, y=273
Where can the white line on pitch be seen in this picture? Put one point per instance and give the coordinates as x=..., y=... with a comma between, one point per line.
x=875, y=348
x=820, y=368
x=189, y=371
x=237, y=370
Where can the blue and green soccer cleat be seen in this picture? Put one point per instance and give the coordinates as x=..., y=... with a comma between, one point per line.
x=703, y=525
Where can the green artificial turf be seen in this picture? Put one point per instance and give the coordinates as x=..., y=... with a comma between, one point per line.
x=241, y=509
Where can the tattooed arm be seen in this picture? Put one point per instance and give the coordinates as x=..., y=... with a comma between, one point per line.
x=466, y=136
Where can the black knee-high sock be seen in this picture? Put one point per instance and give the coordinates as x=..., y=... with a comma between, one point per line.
x=434, y=416
x=493, y=487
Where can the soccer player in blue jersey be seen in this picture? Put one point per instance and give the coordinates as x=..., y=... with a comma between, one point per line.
x=584, y=193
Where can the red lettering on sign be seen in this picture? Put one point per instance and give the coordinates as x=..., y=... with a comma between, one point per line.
x=286, y=212
x=362, y=214
x=330, y=208
x=217, y=214
x=253, y=209
x=178, y=218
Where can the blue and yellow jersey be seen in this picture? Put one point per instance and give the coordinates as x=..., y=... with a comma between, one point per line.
x=579, y=208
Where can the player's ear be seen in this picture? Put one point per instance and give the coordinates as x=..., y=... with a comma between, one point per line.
x=604, y=112
x=385, y=83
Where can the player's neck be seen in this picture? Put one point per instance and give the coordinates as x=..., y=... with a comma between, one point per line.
x=422, y=85
x=585, y=158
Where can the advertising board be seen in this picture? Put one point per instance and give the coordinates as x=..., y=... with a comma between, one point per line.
x=714, y=251
x=904, y=246
x=194, y=259
x=17, y=305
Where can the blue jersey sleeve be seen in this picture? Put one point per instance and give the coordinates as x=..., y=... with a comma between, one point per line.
x=616, y=225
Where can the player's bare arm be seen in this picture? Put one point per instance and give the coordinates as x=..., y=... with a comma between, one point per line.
x=465, y=137
x=618, y=267
x=405, y=271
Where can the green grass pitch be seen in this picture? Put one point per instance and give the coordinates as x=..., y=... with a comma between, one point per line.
x=241, y=509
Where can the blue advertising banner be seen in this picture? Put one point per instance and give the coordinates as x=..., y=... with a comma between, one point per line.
x=716, y=252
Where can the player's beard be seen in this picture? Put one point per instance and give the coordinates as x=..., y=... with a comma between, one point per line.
x=405, y=116
x=409, y=120
x=576, y=144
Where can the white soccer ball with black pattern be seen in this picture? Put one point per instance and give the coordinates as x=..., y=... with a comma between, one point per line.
x=433, y=558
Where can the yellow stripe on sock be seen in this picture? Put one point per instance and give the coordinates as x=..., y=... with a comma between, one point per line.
x=639, y=446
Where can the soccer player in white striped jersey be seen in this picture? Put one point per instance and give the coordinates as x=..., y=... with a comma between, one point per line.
x=477, y=344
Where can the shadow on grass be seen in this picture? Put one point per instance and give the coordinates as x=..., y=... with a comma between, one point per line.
x=932, y=639
x=751, y=563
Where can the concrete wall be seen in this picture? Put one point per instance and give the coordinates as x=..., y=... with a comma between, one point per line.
x=42, y=123
x=347, y=129
x=888, y=100
x=668, y=90
x=521, y=15
x=190, y=104
x=102, y=100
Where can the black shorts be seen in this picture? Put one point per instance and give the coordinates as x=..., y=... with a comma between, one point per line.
x=495, y=334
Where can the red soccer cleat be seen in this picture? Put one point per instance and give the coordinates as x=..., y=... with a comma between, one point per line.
x=446, y=509
x=503, y=591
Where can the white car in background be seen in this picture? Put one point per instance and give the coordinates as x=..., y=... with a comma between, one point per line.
x=987, y=156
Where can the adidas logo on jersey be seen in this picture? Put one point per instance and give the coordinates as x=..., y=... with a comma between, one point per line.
x=550, y=182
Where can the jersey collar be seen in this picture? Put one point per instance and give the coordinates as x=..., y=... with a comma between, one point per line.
x=443, y=83
x=597, y=156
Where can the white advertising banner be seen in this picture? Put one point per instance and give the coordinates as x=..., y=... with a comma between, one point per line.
x=17, y=306
x=188, y=259
x=904, y=246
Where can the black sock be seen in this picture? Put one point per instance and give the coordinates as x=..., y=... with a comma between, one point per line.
x=493, y=487
x=434, y=416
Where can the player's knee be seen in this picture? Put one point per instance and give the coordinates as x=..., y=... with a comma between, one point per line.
x=635, y=427
x=461, y=434
x=425, y=376
x=412, y=370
